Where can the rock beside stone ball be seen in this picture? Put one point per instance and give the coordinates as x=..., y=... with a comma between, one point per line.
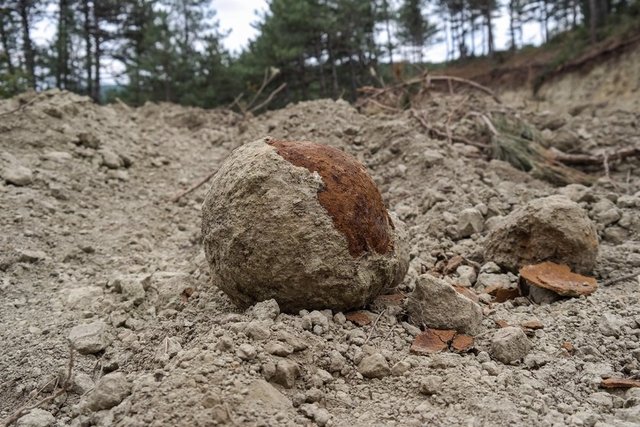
x=302, y=223
x=548, y=229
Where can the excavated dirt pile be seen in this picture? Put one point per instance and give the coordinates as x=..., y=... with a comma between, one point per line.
x=110, y=318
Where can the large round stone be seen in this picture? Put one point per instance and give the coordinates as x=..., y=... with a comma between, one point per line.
x=302, y=223
x=548, y=229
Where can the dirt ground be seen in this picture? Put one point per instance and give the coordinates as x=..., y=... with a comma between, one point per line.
x=91, y=237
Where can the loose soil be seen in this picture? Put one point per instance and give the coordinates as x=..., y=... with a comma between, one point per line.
x=97, y=214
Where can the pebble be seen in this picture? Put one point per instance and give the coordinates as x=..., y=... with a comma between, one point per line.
x=90, y=338
x=510, y=344
x=374, y=366
x=246, y=352
x=36, y=418
x=287, y=371
x=470, y=221
x=265, y=310
x=109, y=391
x=431, y=384
x=18, y=175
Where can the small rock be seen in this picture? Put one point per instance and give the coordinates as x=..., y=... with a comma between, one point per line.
x=278, y=349
x=286, y=374
x=89, y=140
x=246, y=352
x=489, y=280
x=510, y=344
x=374, y=366
x=400, y=368
x=262, y=391
x=84, y=296
x=470, y=221
x=467, y=275
x=18, y=175
x=548, y=229
x=437, y=305
x=110, y=159
x=610, y=325
x=36, y=418
x=82, y=383
x=57, y=156
x=431, y=384
x=265, y=310
x=131, y=287
x=258, y=330
x=90, y=338
x=320, y=415
x=109, y=391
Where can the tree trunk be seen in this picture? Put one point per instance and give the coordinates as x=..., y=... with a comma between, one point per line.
x=62, y=61
x=86, y=11
x=23, y=10
x=4, y=39
x=512, y=29
x=593, y=20
x=334, y=71
x=489, y=31
x=97, y=54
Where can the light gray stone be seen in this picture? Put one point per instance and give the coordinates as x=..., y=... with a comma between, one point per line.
x=265, y=310
x=246, y=352
x=17, y=175
x=374, y=366
x=90, y=338
x=36, y=418
x=435, y=304
x=470, y=221
x=510, y=344
x=548, y=229
x=109, y=391
x=431, y=384
x=610, y=325
x=287, y=371
x=110, y=159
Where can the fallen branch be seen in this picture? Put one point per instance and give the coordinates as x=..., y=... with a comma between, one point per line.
x=373, y=327
x=21, y=107
x=375, y=92
x=65, y=387
x=269, y=98
x=444, y=135
x=471, y=83
x=194, y=187
x=594, y=160
x=621, y=279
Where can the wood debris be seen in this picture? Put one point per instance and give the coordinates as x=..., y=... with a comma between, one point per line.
x=558, y=278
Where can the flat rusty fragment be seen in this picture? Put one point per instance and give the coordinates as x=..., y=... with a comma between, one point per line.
x=432, y=341
x=619, y=383
x=558, y=278
x=502, y=294
x=350, y=196
x=360, y=318
x=462, y=343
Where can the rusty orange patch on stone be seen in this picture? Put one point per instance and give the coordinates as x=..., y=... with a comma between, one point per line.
x=349, y=195
x=558, y=278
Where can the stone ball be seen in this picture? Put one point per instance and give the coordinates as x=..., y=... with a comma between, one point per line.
x=547, y=229
x=302, y=223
